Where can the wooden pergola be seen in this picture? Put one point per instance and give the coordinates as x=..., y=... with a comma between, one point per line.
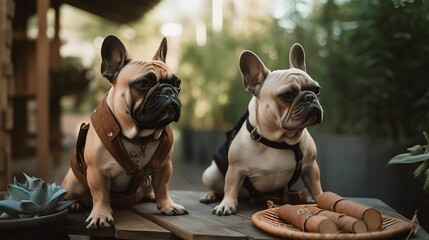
x=33, y=63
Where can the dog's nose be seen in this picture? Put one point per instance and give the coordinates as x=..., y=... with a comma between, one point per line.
x=167, y=91
x=308, y=98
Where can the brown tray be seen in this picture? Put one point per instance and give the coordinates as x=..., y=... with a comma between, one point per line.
x=268, y=221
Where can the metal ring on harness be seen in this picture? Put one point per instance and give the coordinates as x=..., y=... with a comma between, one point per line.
x=255, y=136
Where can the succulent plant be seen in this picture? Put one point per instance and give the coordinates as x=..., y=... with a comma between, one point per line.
x=33, y=198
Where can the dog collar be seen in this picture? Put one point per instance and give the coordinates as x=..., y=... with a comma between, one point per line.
x=254, y=135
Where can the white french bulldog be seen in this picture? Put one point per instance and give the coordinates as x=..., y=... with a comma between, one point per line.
x=270, y=147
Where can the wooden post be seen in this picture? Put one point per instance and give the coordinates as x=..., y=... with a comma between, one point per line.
x=7, y=10
x=44, y=164
x=55, y=106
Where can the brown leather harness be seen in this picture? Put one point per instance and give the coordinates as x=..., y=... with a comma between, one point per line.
x=109, y=132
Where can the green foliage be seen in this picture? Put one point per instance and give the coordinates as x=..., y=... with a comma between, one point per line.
x=207, y=74
x=33, y=198
x=379, y=66
x=416, y=154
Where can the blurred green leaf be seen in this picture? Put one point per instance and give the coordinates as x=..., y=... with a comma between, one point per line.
x=408, y=158
x=426, y=184
x=405, y=35
x=420, y=169
x=416, y=150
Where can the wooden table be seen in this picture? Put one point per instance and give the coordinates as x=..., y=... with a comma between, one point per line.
x=144, y=221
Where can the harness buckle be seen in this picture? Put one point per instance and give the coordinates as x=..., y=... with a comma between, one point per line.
x=255, y=136
x=147, y=172
x=148, y=181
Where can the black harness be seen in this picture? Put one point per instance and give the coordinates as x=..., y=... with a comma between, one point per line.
x=221, y=155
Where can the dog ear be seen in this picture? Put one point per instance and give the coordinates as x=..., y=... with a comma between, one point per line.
x=253, y=71
x=114, y=56
x=161, y=54
x=297, y=57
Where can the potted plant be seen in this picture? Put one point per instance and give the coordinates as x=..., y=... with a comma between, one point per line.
x=418, y=154
x=34, y=207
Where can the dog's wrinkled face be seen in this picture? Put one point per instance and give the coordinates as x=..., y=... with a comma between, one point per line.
x=287, y=99
x=155, y=102
x=295, y=97
x=146, y=92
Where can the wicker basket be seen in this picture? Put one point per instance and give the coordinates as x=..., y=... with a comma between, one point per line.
x=268, y=221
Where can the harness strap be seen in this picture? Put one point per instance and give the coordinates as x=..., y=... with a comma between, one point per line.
x=279, y=145
x=108, y=130
x=221, y=156
x=77, y=162
x=164, y=146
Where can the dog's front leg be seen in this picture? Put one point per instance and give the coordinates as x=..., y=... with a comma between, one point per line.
x=234, y=179
x=160, y=187
x=311, y=178
x=101, y=213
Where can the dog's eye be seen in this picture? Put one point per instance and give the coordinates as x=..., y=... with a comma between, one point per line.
x=287, y=96
x=316, y=91
x=177, y=83
x=143, y=84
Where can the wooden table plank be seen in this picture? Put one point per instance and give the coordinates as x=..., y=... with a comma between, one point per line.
x=129, y=225
x=201, y=223
x=188, y=226
x=245, y=211
x=196, y=225
x=75, y=226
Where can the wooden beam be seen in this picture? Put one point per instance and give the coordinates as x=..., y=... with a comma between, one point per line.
x=56, y=41
x=44, y=164
x=55, y=106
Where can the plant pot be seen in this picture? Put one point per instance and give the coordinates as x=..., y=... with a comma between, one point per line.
x=44, y=227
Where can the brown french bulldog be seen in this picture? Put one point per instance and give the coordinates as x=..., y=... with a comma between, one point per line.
x=125, y=153
x=270, y=147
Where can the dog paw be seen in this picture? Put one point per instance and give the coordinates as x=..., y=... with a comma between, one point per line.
x=99, y=219
x=208, y=198
x=173, y=209
x=225, y=208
